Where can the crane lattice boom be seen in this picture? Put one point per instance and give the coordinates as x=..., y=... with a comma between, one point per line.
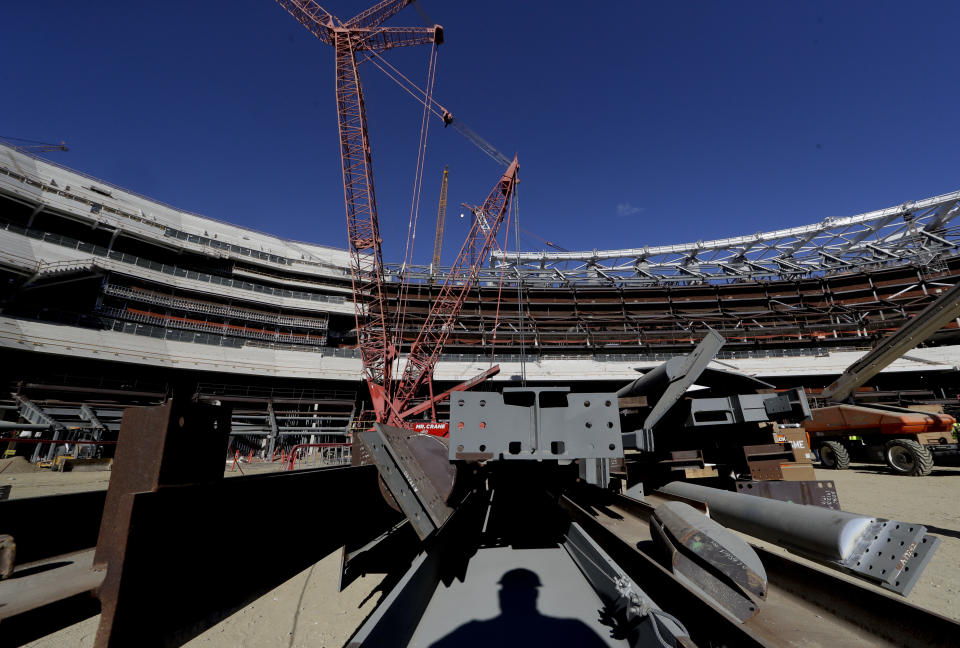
x=441, y=219
x=446, y=307
x=363, y=33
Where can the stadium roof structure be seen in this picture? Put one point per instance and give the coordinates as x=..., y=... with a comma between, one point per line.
x=918, y=232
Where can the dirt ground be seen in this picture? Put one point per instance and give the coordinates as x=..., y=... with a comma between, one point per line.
x=308, y=611
x=933, y=501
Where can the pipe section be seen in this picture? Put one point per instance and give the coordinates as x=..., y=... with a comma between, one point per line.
x=812, y=529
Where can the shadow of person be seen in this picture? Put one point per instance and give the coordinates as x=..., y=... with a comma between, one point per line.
x=520, y=623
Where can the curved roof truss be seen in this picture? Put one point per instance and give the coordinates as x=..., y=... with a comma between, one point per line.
x=921, y=232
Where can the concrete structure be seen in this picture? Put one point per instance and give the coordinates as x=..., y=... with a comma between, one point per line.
x=100, y=282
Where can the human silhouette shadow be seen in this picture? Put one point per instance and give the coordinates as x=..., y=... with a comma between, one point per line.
x=520, y=623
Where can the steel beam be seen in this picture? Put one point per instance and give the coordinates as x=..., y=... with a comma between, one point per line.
x=671, y=380
x=35, y=414
x=418, y=476
x=274, y=431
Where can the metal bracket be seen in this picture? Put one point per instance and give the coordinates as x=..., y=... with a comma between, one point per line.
x=405, y=476
x=629, y=603
x=893, y=554
x=711, y=559
x=536, y=423
x=670, y=381
x=790, y=406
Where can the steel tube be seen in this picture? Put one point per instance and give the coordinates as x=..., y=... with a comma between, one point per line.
x=55, y=441
x=812, y=529
x=10, y=425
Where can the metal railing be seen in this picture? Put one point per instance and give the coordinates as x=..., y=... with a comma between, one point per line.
x=210, y=327
x=98, y=207
x=255, y=391
x=173, y=270
x=327, y=454
x=175, y=335
x=186, y=304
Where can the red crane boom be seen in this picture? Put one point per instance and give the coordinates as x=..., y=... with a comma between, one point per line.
x=377, y=343
x=363, y=33
x=449, y=301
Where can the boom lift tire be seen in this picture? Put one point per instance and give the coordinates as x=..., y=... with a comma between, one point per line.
x=833, y=455
x=908, y=457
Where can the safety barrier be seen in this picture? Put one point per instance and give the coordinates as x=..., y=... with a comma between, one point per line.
x=99, y=250
x=329, y=454
x=183, y=303
x=210, y=327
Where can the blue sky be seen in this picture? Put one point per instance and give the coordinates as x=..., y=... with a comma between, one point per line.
x=637, y=123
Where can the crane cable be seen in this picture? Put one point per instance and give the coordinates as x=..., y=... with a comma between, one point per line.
x=401, y=314
x=496, y=317
x=523, y=347
x=409, y=86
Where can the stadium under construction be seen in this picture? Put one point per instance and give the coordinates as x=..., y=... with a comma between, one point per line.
x=574, y=436
x=111, y=298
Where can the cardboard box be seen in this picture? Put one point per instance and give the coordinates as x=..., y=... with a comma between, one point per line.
x=797, y=438
x=797, y=472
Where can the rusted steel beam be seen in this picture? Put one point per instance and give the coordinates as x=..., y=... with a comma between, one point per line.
x=172, y=560
x=177, y=443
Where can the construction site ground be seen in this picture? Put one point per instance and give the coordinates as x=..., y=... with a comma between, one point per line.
x=308, y=611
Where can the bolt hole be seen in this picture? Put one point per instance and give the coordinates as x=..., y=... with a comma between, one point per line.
x=612, y=446
x=483, y=403
x=610, y=424
x=586, y=403
x=483, y=448
x=460, y=403
x=608, y=403
x=589, y=424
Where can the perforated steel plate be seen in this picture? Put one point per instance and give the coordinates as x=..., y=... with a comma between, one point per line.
x=893, y=553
